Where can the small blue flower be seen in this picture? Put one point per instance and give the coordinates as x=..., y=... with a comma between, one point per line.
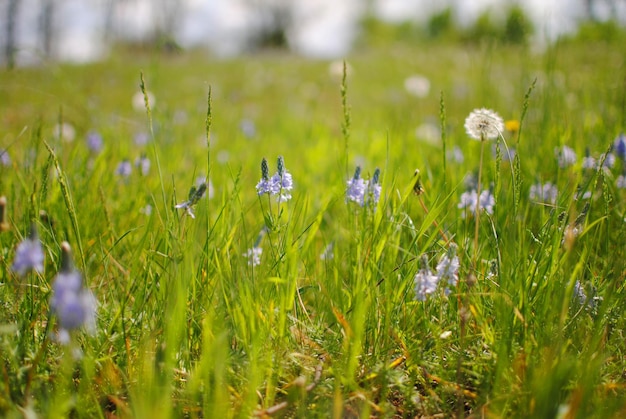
x=248, y=128
x=29, y=254
x=94, y=142
x=425, y=281
x=364, y=192
x=280, y=184
x=355, y=190
x=608, y=160
x=5, y=159
x=620, y=182
x=619, y=146
x=254, y=256
x=143, y=164
x=566, y=156
x=468, y=202
x=264, y=186
x=73, y=305
x=124, y=169
x=194, y=196
x=448, y=268
x=588, y=161
x=141, y=138
x=546, y=193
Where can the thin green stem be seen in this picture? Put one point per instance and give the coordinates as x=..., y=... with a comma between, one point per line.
x=477, y=211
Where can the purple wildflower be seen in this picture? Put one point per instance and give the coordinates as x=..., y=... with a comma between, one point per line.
x=248, y=128
x=29, y=254
x=356, y=188
x=94, y=142
x=282, y=183
x=588, y=161
x=141, y=138
x=619, y=146
x=448, y=268
x=264, y=186
x=143, y=164
x=194, y=196
x=608, y=160
x=566, y=156
x=468, y=202
x=620, y=182
x=5, y=159
x=124, y=168
x=254, y=256
x=74, y=305
x=546, y=193
x=425, y=281
x=364, y=192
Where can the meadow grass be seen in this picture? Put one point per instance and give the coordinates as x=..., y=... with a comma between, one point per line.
x=328, y=322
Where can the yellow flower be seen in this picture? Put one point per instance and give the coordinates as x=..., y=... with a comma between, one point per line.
x=512, y=125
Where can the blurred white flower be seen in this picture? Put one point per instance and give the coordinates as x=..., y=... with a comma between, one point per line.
x=417, y=85
x=429, y=133
x=65, y=132
x=335, y=69
x=139, y=103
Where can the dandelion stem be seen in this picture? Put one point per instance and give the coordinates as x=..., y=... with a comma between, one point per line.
x=477, y=212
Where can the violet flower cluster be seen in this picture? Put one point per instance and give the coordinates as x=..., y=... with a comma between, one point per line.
x=470, y=199
x=194, y=196
x=280, y=184
x=447, y=271
x=364, y=192
x=29, y=254
x=72, y=303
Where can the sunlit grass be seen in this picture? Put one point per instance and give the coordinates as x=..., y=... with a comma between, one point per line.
x=188, y=326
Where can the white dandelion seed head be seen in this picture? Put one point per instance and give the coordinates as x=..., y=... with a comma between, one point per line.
x=484, y=124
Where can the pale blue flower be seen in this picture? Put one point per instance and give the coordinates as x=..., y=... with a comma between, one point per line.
x=29, y=254
x=194, y=196
x=124, y=168
x=566, y=156
x=280, y=184
x=265, y=186
x=94, y=142
x=588, y=161
x=456, y=154
x=468, y=200
x=608, y=160
x=579, y=293
x=248, y=128
x=5, y=159
x=448, y=268
x=355, y=190
x=619, y=146
x=141, y=138
x=425, y=281
x=254, y=256
x=546, y=193
x=74, y=305
x=364, y=192
x=143, y=164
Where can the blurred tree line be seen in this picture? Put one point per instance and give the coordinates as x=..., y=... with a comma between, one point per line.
x=274, y=19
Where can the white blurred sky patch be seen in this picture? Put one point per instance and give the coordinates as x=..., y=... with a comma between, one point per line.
x=321, y=28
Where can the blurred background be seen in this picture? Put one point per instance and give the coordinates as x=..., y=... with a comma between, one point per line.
x=35, y=31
